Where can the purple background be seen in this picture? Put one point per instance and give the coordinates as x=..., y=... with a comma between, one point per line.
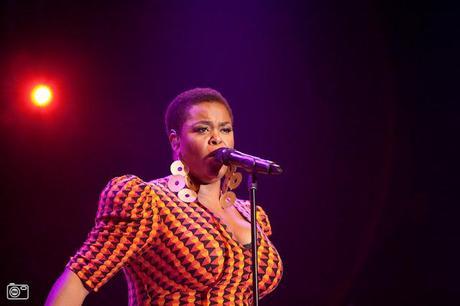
x=358, y=101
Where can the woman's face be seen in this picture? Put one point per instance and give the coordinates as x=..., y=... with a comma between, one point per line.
x=207, y=128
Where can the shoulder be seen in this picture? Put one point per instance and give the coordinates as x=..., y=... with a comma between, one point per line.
x=123, y=194
x=245, y=205
x=123, y=181
x=130, y=182
x=120, y=185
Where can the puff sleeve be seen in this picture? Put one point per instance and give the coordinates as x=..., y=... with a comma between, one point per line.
x=126, y=223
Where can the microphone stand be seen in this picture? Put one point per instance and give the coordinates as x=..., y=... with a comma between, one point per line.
x=255, y=264
x=251, y=164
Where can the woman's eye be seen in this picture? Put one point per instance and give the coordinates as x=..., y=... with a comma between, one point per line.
x=227, y=130
x=201, y=129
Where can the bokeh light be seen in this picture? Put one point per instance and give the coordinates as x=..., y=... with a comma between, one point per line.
x=41, y=95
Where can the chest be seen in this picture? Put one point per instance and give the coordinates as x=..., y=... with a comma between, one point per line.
x=227, y=228
x=194, y=248
x=198, y=247
x=233, y=222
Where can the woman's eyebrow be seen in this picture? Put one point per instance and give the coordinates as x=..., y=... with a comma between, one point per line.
x=207, y=122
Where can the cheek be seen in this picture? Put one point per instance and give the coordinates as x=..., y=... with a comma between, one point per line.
x=230, y=141
x=193, y=147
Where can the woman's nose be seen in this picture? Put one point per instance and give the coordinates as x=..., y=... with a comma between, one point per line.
x=215, y=139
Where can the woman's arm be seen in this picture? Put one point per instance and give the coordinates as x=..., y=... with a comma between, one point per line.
x=68, y=290
x=118, y=223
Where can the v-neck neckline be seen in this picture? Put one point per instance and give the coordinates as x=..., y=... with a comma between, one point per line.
x=219, y=220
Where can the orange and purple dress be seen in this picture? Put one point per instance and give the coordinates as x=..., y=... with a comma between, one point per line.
x=171, y=252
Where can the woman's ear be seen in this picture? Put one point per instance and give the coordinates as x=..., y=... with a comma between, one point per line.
x=175, y=142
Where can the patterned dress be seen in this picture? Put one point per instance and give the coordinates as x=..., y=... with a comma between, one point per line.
x=171, y=252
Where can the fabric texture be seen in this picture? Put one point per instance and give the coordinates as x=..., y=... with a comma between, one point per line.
x=171, y=252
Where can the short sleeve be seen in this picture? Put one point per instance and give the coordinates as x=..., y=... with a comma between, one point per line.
x=262, y=219
x=126, y=223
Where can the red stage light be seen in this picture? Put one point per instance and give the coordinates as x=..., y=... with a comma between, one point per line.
x=41, y=95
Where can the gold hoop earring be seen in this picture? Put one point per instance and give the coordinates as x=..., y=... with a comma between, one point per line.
x=232, y=180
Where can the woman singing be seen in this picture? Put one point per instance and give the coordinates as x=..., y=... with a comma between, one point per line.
x=183, y=239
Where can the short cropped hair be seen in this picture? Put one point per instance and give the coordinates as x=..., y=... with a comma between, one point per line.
x=177, y=111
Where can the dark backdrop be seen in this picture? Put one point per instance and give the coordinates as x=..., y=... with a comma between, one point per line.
x=357, y=100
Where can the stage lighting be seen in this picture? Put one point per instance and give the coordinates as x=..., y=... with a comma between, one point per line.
x=41, y=95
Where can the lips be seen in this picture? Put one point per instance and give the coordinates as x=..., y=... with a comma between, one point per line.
x=213, y=152
x=213, y=162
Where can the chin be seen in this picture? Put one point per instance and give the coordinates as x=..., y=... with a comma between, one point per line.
x=215, y=174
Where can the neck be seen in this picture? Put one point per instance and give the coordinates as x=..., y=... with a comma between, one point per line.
x=210, y=192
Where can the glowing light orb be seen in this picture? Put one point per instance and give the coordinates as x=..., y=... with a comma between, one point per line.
x=41, y=95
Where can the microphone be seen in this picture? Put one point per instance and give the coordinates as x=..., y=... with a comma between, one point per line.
x=249, y=163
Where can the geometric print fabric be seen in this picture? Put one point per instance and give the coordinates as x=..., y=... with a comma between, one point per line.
x=171, y=252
